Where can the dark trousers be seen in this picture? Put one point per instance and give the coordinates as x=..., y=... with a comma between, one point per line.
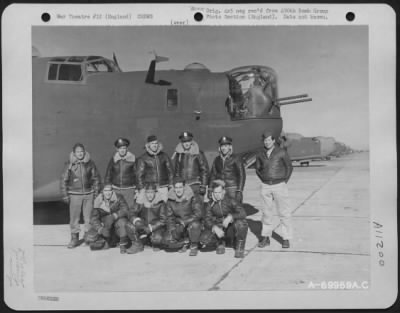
x=116, y=227
x=185, y=234
x=155, y=239
x=234, y=232
x=128, y=194
x=77, y=204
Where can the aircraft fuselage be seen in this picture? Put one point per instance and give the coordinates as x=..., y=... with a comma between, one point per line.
x=103, y=106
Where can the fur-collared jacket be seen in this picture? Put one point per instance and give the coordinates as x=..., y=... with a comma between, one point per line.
x=216, y=211
x=80, y=176
x=103, y=207
x=187, y=209
x=191, y=165
x=151, y=213
x=230, y=169
x=154, y=167
x=121, y=171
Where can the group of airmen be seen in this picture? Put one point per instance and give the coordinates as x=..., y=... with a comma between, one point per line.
x=173, y=203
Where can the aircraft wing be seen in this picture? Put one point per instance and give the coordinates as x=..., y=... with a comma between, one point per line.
x=305, y=158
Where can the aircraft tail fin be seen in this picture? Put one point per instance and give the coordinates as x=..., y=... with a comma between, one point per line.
x=116, y=61
x=151, y=72
x=161, y=59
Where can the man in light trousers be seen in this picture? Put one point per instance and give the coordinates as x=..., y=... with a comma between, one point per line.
x=274, y=168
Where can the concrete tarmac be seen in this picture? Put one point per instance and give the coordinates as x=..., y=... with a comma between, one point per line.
x=330, y=201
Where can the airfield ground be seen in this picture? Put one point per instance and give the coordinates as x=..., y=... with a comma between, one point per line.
x=330, y=201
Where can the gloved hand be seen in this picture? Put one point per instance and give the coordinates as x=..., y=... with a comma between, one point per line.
x=105, y=232
x=66, y=199
x=209, y=195
x=218, y=231
x=239, y=196
x=180, y=221
x=147, y=230
x=202, y=190
x=139, y=224
x=227, y=220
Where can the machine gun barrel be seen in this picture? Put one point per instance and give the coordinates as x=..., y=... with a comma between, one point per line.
x=295, y=101
x=291, y=98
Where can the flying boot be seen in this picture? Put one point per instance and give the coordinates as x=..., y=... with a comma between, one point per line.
x=123, y=244
x=220, y=247
x=74, y=241
x=239, y=251
x=194, y=249
x=136, y=247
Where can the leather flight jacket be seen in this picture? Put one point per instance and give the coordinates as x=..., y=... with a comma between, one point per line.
x=80, y=177
x=217, y=211
x=274, y=169
x=230, y=170
x=154, y=169
x=121, y=172
x=186, y=211
x=103, y=208
x=192, y=167
x=153, y=214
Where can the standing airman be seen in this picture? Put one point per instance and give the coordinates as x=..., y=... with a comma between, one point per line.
x=121, y=171
x=229, y=168
x=154, y=166
x=191, y=163
x=274, y=168
x=80, y=184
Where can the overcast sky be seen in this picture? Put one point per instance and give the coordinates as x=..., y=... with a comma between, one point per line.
x=330, y=63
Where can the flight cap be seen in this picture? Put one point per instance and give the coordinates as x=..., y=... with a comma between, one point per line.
x=120, y=142
x=224, y=140
x=151, y=138
x=267, y=134
x=217, y=183
x=107, y=187
x=179, y=179
x=150, y=186
x=186, y=136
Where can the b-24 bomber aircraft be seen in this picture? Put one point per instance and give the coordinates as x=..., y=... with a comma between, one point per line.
x=89, y=99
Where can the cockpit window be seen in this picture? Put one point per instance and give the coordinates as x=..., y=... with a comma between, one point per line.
x=99, y=66
x=65, y=72
x=70, y=72
x=53, y=72
x=252, y=91
x=75, y=69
